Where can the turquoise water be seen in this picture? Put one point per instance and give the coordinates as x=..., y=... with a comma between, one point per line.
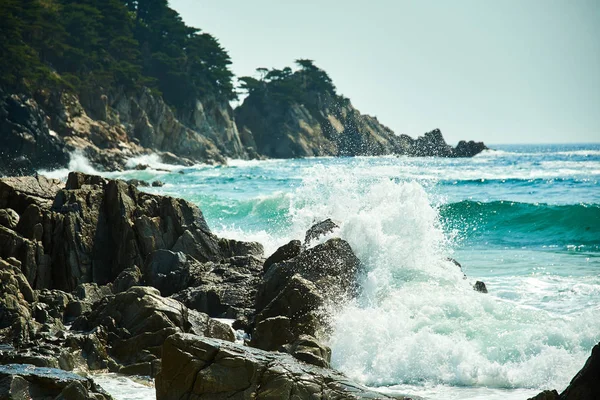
x=524, y=219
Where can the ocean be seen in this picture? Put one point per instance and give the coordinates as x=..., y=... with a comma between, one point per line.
x=524, y=219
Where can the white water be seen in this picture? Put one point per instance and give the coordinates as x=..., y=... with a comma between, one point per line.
x=418, y=323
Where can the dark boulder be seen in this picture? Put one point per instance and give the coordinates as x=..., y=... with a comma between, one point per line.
x=480, y=287
x=196, y=367
x=285, y=252
x=297, y=295
x=226, y=289
x=168, y=271
x=19, y=381
x=139, y=320
x=468, y=149
x=320, y=229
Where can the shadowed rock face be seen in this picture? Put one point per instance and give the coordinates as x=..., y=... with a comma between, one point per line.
x=199, y=368
x=78, y=254
x=27, y=143
x=94, y=229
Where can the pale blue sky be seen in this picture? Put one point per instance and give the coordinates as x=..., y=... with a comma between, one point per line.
x=509, y=71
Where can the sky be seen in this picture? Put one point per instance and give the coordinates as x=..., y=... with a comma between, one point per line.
x=508, y=71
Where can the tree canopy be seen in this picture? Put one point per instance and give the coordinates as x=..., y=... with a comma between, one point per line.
x=287, y=86
x=75, y=43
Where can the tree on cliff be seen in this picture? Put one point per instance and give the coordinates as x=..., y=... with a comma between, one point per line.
x=71, y=44
x=304, y=86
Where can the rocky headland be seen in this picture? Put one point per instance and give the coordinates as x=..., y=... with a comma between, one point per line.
x=98, y=276
x=103, y=84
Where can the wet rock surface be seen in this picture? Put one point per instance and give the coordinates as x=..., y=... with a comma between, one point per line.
x=30, y=382
x=196, y=367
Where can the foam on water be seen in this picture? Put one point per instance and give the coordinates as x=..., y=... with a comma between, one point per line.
x=153, y=161
x=417, y=320
x=77, y=162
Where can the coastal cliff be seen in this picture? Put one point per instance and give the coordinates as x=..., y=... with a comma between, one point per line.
x=97, y=79
x=299, y=113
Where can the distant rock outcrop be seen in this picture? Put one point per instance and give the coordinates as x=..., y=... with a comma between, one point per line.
x=299, y=114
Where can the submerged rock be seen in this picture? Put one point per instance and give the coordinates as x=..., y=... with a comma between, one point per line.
x=196, y=367
x=480, y=287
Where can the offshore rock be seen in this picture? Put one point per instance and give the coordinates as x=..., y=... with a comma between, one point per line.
x=28, y=382
x=196, y=368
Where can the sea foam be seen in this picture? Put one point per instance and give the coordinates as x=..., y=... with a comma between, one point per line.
x=417, y=320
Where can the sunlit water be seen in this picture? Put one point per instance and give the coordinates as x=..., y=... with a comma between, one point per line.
x=524, y=219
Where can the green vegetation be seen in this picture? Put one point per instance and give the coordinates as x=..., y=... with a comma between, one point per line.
x=72, y=44
x=309, y=85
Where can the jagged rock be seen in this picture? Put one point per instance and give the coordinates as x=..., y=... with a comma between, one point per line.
x=226, y=289
x=272, y=333
x=15, y=310
x=157, y=184
x=285, y=252
x=196, y=367
x=28, y=382
x=96, y=228
x=27, y=142
x=91, y=292
x=129, y=277
x=137, y=182
x=237, y=248
x=308, y=349
x=296, y=293
x=169, y=272
x=77, y=180
x=320, y=229
x=331, y=266
x=480, y=287
x=139, y=320
x=9, y=218
x=19, y=192
x=299, y=300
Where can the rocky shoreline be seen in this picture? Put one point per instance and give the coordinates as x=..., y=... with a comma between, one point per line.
x=42, y=130
x=98, y=276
